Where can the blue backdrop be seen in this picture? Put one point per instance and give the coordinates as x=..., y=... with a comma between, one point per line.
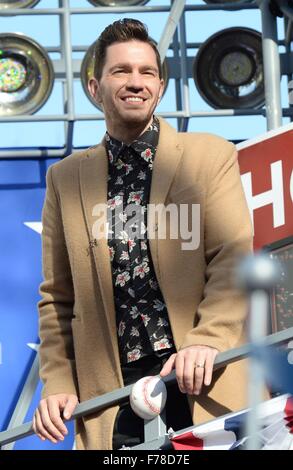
x=22, y=190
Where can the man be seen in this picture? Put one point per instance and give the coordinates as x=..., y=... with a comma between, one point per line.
x=114, y=309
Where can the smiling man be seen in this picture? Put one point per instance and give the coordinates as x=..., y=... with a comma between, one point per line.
x=116, y=308
x=128, y=85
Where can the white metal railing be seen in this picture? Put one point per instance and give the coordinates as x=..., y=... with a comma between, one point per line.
x=117, y=396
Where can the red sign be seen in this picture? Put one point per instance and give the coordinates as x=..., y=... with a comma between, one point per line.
x=266, y=167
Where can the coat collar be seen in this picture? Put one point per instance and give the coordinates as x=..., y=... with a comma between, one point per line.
x=93, y=187
x=148, y=140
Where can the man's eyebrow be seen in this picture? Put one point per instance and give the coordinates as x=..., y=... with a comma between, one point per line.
x=118, y=66
x=150, y=67
x=127, y=65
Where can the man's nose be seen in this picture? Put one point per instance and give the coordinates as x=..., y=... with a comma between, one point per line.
x=135, y=80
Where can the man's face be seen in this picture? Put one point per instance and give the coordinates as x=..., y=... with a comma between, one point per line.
x=130, y=87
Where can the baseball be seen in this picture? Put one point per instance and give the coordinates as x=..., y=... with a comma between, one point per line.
x=148, y=397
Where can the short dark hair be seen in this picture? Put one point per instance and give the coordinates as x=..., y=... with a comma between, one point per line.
x=123, y=30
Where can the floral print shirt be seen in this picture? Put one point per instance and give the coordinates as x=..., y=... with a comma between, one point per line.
x=142, y=319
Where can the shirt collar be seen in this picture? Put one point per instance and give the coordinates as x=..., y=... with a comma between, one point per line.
x=145, y=145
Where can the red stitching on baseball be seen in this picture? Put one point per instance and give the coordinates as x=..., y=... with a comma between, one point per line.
x=147, y=402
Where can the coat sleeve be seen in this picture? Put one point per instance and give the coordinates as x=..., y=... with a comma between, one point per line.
x=221, y=316
x=57, y=365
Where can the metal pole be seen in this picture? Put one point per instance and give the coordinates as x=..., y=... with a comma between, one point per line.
x=288, y=32
x=155, y=428
x=237, y=6
x=32, y=154
x=271, y=64
x=184, y=74
x=259, y=304
x=171, y=25
x=256, y=276
x=178, y=91
x=65, y=33
x=25, y=399
x=171, y=114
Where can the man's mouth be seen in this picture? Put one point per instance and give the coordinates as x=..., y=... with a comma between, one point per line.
x=133, y=99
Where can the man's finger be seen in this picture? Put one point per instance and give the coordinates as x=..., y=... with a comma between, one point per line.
x=34, y=427
x=34, y=424
x=188, y=374
x=41, y=429
x=54, y=413
x=209, y=365
x=199, y=371
x=47, y=422
x=168, y=366
x=70, y=406
x=180, y=371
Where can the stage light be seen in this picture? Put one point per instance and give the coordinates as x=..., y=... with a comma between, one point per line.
x=87, y=71
x=17, y=4
x=26, y=75
x=228, y=69
x=117, y=3
x=282, y=8
x=227, y=1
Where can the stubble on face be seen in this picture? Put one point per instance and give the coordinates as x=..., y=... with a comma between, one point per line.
x=130, y=73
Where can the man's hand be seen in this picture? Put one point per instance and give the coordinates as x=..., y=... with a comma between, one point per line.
x=47, y=422
x=194, y=366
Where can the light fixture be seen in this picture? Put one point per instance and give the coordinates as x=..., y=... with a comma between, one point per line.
x=117, y=3
x=8, y=4
x=26, y=75
x=227, y=1
x=282, y=8
x=87, y=72
x=228, y=69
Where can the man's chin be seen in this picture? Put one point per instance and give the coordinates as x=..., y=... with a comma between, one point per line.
x=136, y=117
x=134, y=114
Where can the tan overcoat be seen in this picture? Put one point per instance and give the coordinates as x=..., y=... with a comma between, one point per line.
x=79, y=348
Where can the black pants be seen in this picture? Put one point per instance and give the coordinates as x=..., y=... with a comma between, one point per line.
x=129, y=428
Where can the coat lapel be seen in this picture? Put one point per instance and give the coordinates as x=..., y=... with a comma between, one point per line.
x=93, y=186
x=168, y=156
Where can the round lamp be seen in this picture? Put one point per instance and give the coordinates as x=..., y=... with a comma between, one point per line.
x=17, y=4
x=228, y=69
x=26, y=75
x=117, y=3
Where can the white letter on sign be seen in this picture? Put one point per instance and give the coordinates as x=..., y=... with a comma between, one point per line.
x=274, y=196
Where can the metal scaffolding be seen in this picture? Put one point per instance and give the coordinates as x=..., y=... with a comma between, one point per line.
x=174, y=37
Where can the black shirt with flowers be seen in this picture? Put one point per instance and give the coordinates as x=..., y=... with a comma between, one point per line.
x=141, y=315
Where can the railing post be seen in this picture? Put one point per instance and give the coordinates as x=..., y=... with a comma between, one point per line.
x=256, y=275
x=271, y=64
x=25, y=398
x=155, y=428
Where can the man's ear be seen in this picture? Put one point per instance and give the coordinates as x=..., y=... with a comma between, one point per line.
x=162, y=86
x=94, y=89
